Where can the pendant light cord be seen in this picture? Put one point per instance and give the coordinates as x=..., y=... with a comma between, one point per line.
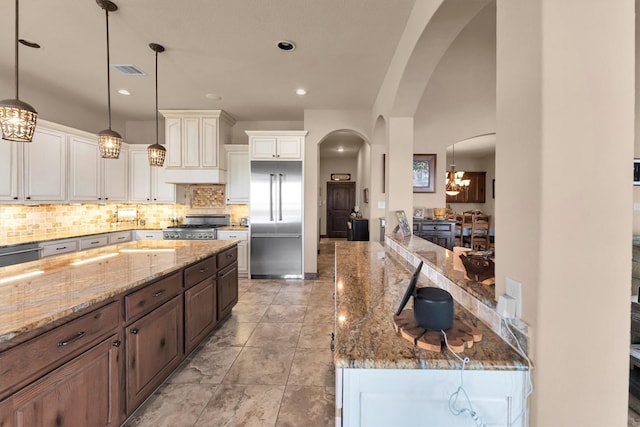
x=106, y=11
x=156, y=97
x=17, y=35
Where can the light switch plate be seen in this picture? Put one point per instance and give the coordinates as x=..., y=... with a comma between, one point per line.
x=381, y=204
x=513, y=289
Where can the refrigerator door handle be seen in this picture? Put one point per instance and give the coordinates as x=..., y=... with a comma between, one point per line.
x=280, y=196
x=270, y=197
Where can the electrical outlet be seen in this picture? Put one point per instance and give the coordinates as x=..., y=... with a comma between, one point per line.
x=513, y=288
x=636, y=206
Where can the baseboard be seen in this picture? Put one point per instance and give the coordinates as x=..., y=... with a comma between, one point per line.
x=310, y=276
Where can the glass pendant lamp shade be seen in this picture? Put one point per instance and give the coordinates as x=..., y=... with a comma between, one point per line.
x=109, y=141
x=156, y=152
x=17, y=118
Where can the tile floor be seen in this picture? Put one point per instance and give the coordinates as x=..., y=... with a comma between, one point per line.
x=268, y=365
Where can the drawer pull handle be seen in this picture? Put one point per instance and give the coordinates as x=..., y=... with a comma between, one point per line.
x=202, y=270
x=157, y=294
x=116, y=343
x=134, y=331
x=71, y=340
x=229, y=255
x=61, y=248
x=94, y=243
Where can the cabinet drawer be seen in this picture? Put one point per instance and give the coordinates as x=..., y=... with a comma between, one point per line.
x=119, y=237
x=25, y=362
x=199, y=271
x=435, y=227
x=232, y=235
x=151, y=296
x=93, y=242
x=227, y=257
x=59, y=247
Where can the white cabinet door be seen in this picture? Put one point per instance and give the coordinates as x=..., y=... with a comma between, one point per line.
x=263, y=147
x=243, y=248
x=160, y=190
x=209, y=142
x=148, y=235
x=116, y=177
x=45, y=166
x=289, y=148
x=140, y=176
x=190, y=142
x=10, y=172
x=238, y=174
x=84, y=170
x=173, y=141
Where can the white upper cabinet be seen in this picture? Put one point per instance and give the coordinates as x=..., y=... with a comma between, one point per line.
x=115, y=177
x=276, y=145
x=147, y=184
x=45, y=165
x=194, y=141
x=10, y=171
x=84, y=169
x=238, y=173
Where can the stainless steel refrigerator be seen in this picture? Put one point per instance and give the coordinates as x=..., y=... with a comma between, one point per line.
x=276, y=219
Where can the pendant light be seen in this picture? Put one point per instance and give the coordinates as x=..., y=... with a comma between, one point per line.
x=109, y=141
x=17, y=118
x=455, y=183
x=156, y=151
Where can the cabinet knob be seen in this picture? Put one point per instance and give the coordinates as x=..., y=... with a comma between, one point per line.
x=28, y=197
x=134, y=331
x=15, y=198
x=116, y=343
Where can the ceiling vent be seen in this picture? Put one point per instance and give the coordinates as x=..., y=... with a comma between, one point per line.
x=129, y=69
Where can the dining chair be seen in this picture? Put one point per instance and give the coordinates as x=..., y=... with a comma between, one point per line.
x=480, y=231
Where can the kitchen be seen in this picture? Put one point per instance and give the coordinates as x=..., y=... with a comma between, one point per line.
x=389, y=129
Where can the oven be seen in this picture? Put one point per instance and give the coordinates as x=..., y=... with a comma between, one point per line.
x=196, y=227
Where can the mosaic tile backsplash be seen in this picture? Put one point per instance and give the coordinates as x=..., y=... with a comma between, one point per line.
x=21, y=220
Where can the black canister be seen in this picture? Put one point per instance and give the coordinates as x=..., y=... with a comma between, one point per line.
x=433, y=308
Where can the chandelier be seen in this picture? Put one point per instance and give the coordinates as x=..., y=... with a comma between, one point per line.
x=455, y=179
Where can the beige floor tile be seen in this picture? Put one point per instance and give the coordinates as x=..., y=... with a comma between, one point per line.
x=315, y=335
x=242, y=405
x=307, y=406
x=261, y=365
x=173, y=405
x=279, y=335
x=256, y=298
x=322, y=313
x=231, y=333
x=208, y=365
x=245, y=312
x=284, y=314
x=312, y=366
x=292, y=296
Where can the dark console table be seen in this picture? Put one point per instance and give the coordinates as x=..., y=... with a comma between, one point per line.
x=440, y=232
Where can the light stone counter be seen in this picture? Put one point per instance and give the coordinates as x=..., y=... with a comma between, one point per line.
x=370, y=283
x=58, y=288
x=78, y=232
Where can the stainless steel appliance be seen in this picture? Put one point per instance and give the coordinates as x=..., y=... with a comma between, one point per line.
x=276, y=219
x=19, y=253
x=196, y=227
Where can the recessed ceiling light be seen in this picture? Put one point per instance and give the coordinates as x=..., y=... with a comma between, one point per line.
x=340, y=149
x=213, y=96
x=301, y=92
x=286, y=45
x=124, y=92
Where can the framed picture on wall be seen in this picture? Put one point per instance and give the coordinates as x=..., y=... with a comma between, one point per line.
x=636, y=171
x=424, y=173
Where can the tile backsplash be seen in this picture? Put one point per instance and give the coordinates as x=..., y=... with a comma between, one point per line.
x=23, y=220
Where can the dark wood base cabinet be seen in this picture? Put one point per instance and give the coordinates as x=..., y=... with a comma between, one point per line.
x=439, y=232
x=84, y=392
x=95, y=369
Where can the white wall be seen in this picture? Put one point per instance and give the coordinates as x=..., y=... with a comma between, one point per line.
x=329, y=165
x=364, y=179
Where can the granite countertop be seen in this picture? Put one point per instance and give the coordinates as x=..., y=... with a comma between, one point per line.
x=370, y=283
x=235, y=228
x=441, y=259
x=79, y=232
x=61, y=289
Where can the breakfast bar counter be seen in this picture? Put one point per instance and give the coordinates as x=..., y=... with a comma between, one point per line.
x=381, y=377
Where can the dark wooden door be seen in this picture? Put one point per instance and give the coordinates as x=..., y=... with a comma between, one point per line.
x=227, y=290
x=200, y=312
x=341, y=198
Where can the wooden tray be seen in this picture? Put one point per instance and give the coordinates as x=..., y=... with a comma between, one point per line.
x=460, y=336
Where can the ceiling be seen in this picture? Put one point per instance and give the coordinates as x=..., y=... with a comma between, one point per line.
x=222, y=47
x=475, y=147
